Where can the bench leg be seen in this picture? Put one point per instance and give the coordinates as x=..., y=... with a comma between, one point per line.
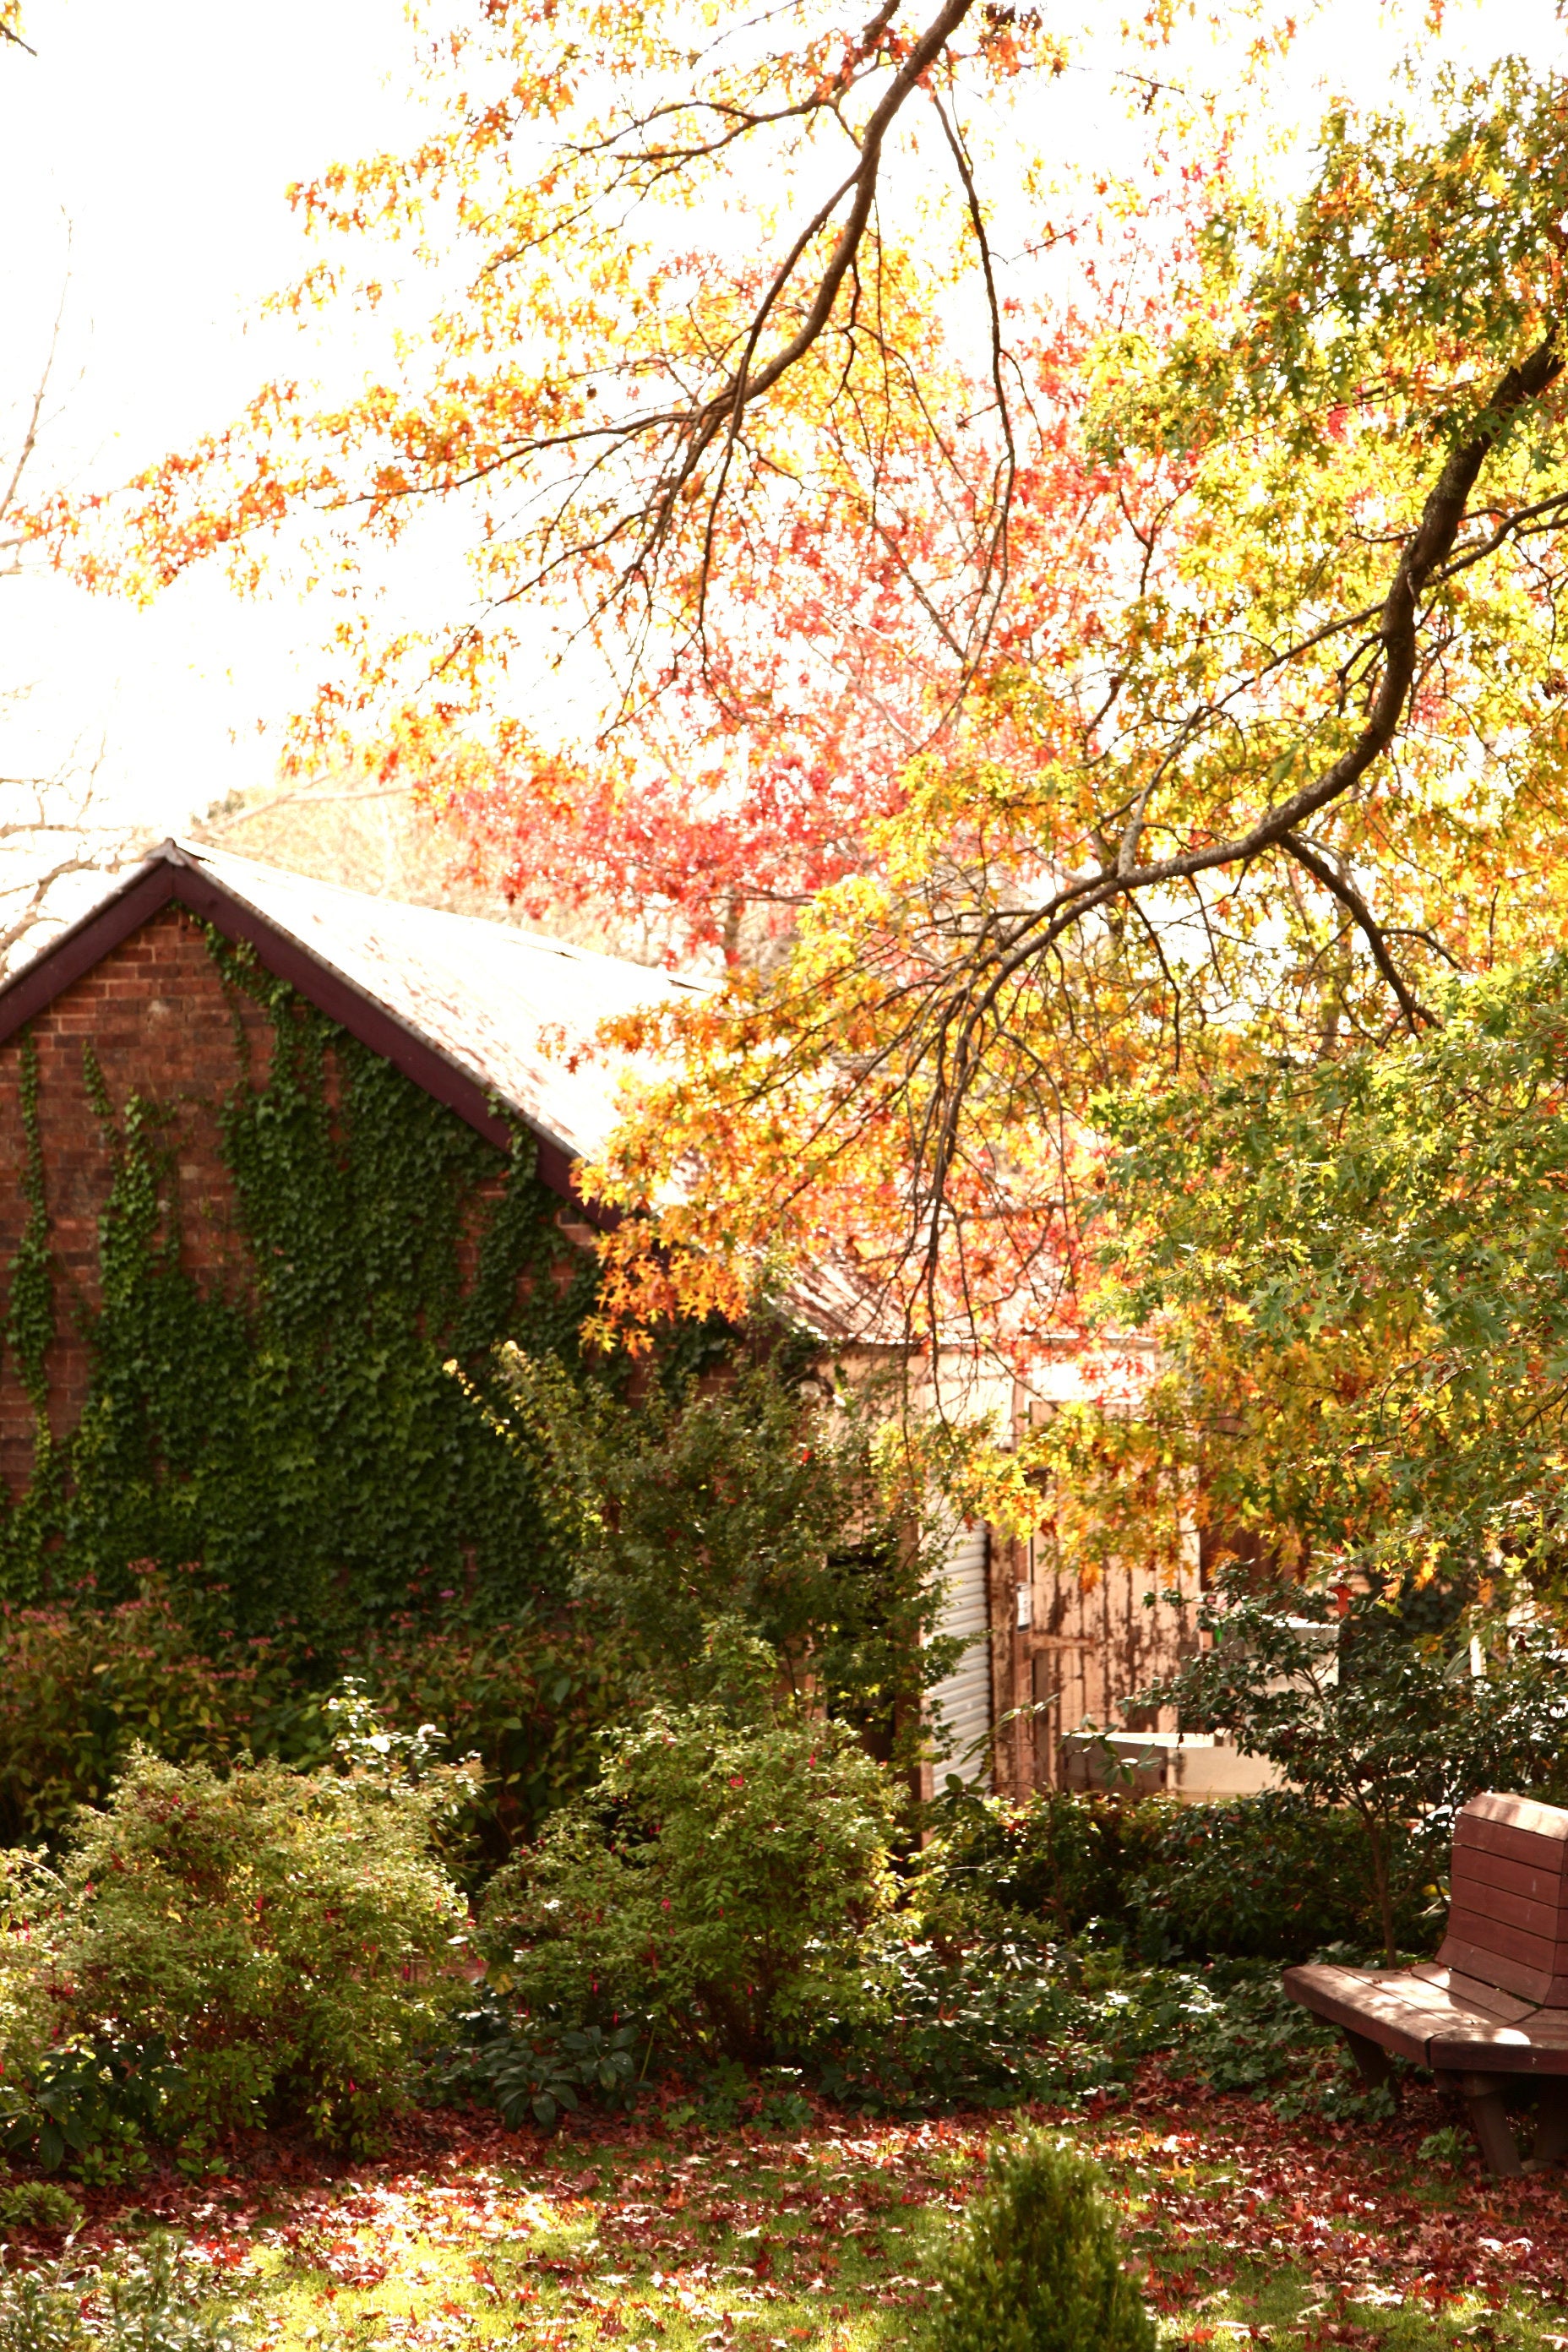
x=1489, y=2120
x=1373, y=2063
x=1551, y=2140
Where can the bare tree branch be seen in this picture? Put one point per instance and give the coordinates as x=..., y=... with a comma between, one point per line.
x=51, y=827
x=12, y=546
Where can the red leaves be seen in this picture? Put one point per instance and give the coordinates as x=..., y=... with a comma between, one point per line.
x=1212, y=2191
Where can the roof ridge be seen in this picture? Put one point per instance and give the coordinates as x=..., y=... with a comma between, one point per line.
x=178, y=850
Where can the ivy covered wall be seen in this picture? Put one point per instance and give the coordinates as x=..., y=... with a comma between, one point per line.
x=286, y=1241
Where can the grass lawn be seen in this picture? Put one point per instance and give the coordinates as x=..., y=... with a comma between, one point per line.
x=1247, y=2226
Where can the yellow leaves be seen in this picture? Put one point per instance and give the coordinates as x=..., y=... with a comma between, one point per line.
x=1213, y=470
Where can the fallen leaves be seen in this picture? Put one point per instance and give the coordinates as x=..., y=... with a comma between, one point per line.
x=1245, y=2228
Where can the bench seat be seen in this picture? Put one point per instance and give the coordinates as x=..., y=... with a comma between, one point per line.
x=1436, y=2016
x=1490, y=2013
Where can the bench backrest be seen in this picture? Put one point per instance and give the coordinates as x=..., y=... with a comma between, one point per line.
x=1508, y=1910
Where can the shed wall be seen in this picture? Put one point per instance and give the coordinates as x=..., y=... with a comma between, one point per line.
x=964, y=1698
x=158, y=1022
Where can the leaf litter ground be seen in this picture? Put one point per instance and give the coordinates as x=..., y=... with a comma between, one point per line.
x=1247, y=2226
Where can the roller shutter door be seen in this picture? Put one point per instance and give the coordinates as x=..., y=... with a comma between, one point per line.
x=964, y=1699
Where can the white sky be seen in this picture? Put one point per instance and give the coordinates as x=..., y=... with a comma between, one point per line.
x=164, y=133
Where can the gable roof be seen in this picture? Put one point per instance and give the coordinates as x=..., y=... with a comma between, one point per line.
x=457, y=1003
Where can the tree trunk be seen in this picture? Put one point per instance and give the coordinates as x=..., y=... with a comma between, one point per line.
x=1385, y=1897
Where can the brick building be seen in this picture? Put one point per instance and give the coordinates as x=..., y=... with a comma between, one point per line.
x=128, y=1051
x=144, y=1116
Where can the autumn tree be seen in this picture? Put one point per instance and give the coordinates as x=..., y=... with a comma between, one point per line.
x=1179, y=680
x=1311, y=759
x=755, y=504
x=1357, y=1270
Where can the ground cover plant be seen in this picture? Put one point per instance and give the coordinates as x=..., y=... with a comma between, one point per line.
x=1237, y=2224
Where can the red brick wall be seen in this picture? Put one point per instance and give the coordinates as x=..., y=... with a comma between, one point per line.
x=161, y=1026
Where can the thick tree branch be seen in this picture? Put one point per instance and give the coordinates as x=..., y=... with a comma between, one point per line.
x=724, y=409
x=967, y=1010
x=1414, y=1012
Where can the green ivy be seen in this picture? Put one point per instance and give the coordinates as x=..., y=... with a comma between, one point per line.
x=30, y=1312
x=29, y=1325
x=287, y=1428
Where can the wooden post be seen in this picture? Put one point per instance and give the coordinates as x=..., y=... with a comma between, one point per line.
x=1550, y=2136
x=1488, y=2121
x=1373, y=2063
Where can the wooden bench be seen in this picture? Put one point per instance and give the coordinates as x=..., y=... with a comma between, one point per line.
x=1489, y=2015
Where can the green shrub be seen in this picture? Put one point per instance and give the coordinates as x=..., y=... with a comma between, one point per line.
x=757, y=1498
x=97, y=2102
x=81, y=1685
x=1270, y=1877
x=158, y=2300
x=272, y=1945
x=526, y=1698
x=1390, y=1727
x=970, y=2028
x=1273, y=1877
x=1009, y=2020
x=27, y=2013
x=1036, y=2266
x=78, y=1687
x=1055, y=1857
x=718, y=1880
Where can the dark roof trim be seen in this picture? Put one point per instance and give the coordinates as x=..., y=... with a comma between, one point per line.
x=168, y=877
x=86, y=943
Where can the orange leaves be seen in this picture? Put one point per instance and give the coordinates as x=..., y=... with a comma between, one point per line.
x=834, y=608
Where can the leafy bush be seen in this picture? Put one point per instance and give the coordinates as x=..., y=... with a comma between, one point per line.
x=719, y=1882
x=1390, y=1725
x=1037, y=2265
x=78, y=1687
x=947, y=2027
x=1274, y=1876
x=157, y=2302
x=539, y=2072
x=757, y=1499
x=1270, y=1877
x=275, y=1944
x=1011, y=2019
x=98, y=2103
x=1062, y=1860
x=526, y=1699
